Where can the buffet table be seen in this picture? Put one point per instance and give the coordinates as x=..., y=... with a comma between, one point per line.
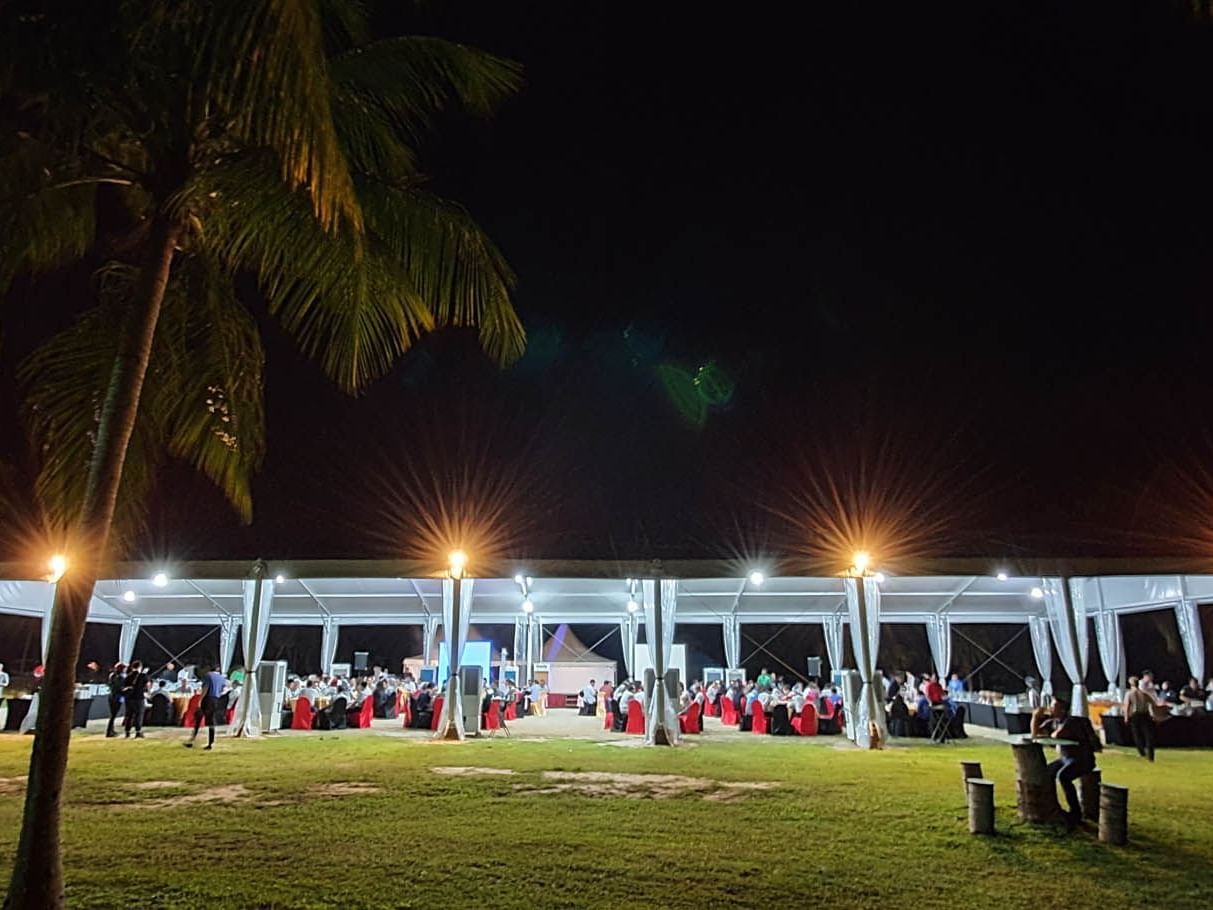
x=1195, y=730
x=985, y=715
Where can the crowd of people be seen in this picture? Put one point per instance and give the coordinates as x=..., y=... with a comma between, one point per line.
x=139, y=695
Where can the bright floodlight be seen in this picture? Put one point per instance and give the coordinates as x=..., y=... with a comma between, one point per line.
x=527, y=606
x=1037, y=594
x=129, y=596
x=518, y=579
x=58, y=565
x=757, y=578
x=1002, y=576
x=632, y=606
x=279, y=579
x=457, y=560
x=879, y=576
x=861, y=561
x=160, y=579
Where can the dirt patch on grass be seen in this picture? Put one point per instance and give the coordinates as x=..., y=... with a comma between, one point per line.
x=158, y=785
x=232, y=793
x=642, y=786
x=10, y=786
x=346, y=788
x=472, y=771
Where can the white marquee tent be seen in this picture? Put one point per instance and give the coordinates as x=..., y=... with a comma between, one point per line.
x=335, y=594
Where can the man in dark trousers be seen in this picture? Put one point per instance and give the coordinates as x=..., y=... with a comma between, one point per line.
x=214, y=687
x=1077, y=756
x=117, y=680
x=134, y=693
x=1139, y=709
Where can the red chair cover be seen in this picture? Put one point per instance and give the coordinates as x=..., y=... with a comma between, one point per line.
x=758, y=723
x=608, y=722
x=367, y=713
x=635, y=718
x=231, y=715
x=511, y=711
x=728, y=712
x=191, y=709
x=689, y=722
x=709, y=709
x=492, y=717
x=808, y=720
x=406, y=709
x=303, y=716
x=437, y=706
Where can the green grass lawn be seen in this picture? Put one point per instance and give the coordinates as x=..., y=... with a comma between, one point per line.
x=841, y=828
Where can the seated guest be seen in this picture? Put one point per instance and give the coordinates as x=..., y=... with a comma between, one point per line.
x=423, y=707
x=1167, y=694
x=835, y=696
x=933, y=690
x=310, y=692
x=899, y=717
x=1077, y=758
x=1192, y=695
x=956, y=685
x=292, y=691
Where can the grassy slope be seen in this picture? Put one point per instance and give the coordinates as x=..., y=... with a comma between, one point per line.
x=845, y=828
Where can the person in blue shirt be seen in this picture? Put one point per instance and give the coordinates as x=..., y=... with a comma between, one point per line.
x=214, y=687
x=956, y=685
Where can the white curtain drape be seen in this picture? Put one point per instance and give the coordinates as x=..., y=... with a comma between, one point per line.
x=255, y=626
x=1069, y=637
x=519, y=641
x=865, y=638
x=629, y=632
x=732, y=641
x=1107, y=637
x=329, y=636
x=126, y=640
x=228, y=627
x=46, y=595
x=451, y=717
x=939, y=637
x=669, y=612
x=428, y=633
x=1187, y=616
x=834, y=631
x=1042, y=650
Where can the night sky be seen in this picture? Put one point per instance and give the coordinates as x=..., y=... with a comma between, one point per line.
x=976, y=236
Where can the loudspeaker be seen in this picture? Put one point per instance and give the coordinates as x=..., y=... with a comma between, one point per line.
x=360, y=661
x=814, y=667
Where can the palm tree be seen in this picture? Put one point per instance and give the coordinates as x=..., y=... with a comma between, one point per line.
x=173, y=145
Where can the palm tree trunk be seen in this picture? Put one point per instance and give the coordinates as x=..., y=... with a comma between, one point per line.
x=37, y=881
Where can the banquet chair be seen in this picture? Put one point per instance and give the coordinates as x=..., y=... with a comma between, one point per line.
x=367, y=712
x=162, y=711
x=689, y=722
x=437, y=712
x=635, y=718
x=808, y=720
x=728, y=712
x=780, y=722
x=710, y=709
x=608, y=719
x=195, y=702
x=828, y=721
x=304, y=715
x=511, y=711
x=759, y=719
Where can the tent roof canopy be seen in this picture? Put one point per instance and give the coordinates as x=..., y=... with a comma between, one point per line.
x=395, y=592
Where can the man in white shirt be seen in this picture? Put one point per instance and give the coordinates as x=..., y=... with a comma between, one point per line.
x=3, y=703
x=589, y=699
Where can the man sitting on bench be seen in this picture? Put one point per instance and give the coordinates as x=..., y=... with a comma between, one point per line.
x=1076, y=760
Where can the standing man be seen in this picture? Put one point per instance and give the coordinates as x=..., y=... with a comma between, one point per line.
x=117, y=680
x=214, y=687
x=1139, y=709
x=134, y=692
x=589, y=699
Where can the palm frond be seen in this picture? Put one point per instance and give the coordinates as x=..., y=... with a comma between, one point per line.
x=64, y=384
x=411, y=79
x=47, y=218
x=354, y=313
x=206, y=380
x=451, y=263
x=261, y=78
